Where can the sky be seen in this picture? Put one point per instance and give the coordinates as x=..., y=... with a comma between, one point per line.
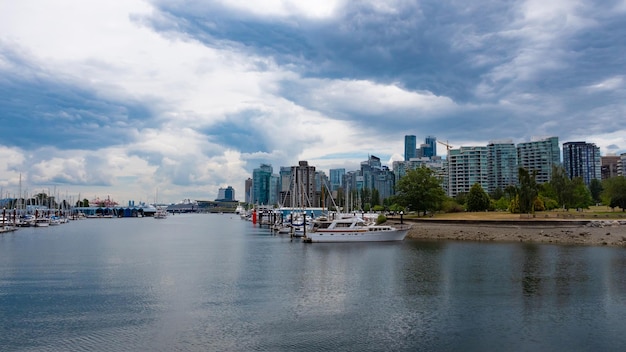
x=171, y=100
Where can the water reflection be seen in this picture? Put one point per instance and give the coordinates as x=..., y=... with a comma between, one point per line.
x=532, y=269
x=216, y=283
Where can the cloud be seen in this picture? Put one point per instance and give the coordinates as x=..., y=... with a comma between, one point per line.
x=43, y=110
x=188, y=96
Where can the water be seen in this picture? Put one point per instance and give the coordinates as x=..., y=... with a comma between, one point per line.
x=217, y=283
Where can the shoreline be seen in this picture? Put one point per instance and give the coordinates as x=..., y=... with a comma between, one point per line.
x=589, y=232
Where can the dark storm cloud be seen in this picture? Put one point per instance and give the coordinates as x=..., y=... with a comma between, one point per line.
x=420, y=44
x=37, y=110
x=240, y=132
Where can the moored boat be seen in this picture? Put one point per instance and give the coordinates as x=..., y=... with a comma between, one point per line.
x=160, y=213
x=42, y=222
x=354, y=229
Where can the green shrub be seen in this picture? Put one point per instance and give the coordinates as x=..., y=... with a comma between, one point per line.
x=451, y=206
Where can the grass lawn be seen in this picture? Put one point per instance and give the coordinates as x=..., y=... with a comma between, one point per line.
x=594, y=212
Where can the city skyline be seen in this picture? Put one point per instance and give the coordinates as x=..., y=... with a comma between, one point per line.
x=120, y=99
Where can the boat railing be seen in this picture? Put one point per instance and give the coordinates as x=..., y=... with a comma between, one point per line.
x=402, y=226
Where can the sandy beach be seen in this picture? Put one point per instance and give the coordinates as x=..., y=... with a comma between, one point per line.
x=593, y=233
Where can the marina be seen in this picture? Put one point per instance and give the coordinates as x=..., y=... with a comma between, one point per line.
x=198, y=282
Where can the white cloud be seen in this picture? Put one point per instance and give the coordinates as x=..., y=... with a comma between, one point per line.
x=612, y=83
x=190, y=88
x=286, y=8
x=365, y=97
x=10, y=160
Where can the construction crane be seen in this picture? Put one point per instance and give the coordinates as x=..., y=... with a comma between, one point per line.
x=448, y=146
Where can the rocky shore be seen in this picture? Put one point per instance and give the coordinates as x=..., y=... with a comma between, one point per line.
x=593, y=233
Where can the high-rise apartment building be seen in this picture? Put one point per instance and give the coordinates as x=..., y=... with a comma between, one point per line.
x=540, y=156
x=581, y=159
x=336, y=178
x=410, y=147
x=400, y=168
x=303, y=191
x=466, y=166
x=274, y=191
x=378, y=177
x=248, y=190
x=261, y=185
x=621, y=165
x=501, y=165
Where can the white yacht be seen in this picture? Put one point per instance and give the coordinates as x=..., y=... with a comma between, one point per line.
x=354, y=229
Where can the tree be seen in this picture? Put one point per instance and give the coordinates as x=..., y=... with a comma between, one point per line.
x=420, y=190
x=502, y=204
x=614, y=193
x=375, y=197
x=449, y=205
x=562, y=186
x=478, y=199
x=497, y=193
x=461, y=198
x=528, y=190
x=595, y=187
x=378, y=208
x=511, y=192
x=82, y=203
x=581, y=197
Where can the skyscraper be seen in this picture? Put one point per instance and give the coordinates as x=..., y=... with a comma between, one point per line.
x=248, y=190
x=410, y=147
x=261, y=184
x=430, y=148
x=303, y=190
x=582, y=159
x=336, y=178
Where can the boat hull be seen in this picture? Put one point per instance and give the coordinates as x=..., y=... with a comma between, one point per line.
x=357, y=236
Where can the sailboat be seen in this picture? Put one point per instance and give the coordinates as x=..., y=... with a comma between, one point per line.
x=160, y=212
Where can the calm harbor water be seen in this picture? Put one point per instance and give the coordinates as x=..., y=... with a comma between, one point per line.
x=217, y=283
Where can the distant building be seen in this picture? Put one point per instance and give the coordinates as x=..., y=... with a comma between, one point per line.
x=540, y=156
x=429, y=148
x=286, y=183
x=336, y=178
x=248, y=190
x=501, y=165
x=261, y=185
x=466, y=167
x=376, y=176
x=321, y=182
x=621, y=165
x=226, y=195
x=410, y=147
x=609, y=166
x=581, y=159
x=302, y=191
